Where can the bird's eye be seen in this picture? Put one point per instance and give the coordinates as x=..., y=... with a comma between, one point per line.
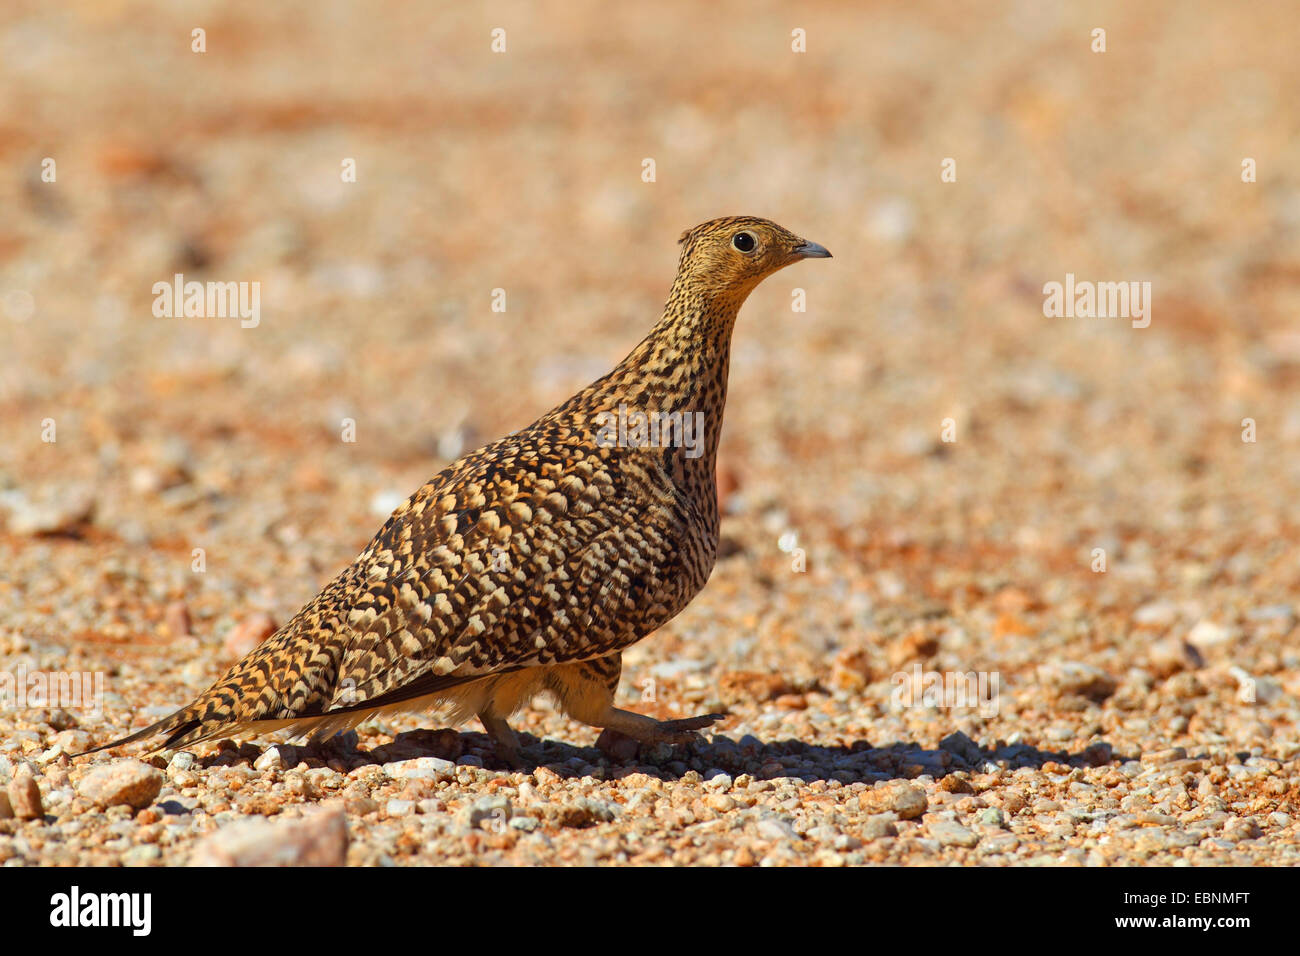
x=744, y=242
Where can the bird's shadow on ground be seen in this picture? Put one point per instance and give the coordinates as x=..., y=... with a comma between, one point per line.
x=856, y=762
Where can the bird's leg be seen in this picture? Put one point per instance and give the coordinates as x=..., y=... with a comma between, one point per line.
x=507, y=744
x=585, y=691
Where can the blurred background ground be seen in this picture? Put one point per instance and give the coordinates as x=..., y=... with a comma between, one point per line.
x=522, y=171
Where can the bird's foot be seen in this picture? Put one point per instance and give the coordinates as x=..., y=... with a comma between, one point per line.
x=684, y=731
x=509, y=754
x=507, y=743
x=626, y=734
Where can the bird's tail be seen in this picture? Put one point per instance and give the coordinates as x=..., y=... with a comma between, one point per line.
x=207, y=717
x=289, y=682
x=278, y=683
x=178, y=726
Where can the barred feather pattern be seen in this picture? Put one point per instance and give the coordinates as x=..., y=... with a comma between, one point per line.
x=544, y=548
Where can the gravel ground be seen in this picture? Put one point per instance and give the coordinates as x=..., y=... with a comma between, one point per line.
x=1146, y=712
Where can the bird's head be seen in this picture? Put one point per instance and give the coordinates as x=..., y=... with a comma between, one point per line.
x=726, y=258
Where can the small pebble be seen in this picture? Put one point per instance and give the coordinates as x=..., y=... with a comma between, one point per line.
x=487, y=812
x=991, y=817
x=122, y=783
x=183, y=760
x=950, y=833
x=25, y=797
x=906, y=800
x=772, y=828
x=270, y=759
x=879, y=827
x=317, y=839
x=176, y=616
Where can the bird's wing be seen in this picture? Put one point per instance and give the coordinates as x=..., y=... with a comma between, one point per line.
x=509, y=558
x=567, y=581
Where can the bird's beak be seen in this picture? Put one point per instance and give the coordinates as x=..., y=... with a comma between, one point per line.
x=811, y=250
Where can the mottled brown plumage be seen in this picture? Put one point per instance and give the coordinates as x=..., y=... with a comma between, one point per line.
x=529, y=565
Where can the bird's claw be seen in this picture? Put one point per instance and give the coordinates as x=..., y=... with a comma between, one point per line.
x=691, y=723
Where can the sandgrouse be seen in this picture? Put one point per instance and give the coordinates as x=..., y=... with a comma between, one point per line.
x=529, y=565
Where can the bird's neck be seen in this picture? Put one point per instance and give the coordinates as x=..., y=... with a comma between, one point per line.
x=681, y=367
